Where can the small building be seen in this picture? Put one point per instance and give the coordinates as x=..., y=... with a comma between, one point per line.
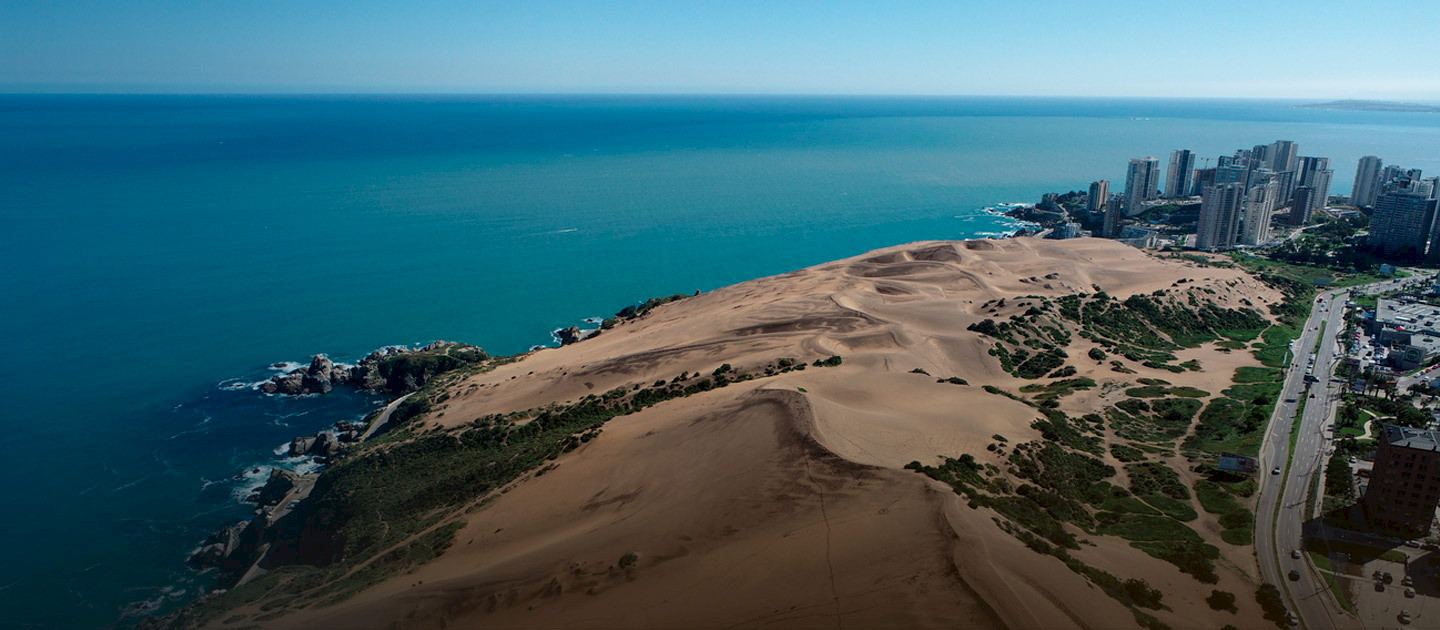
x=1404, y=486
x=1136, y=236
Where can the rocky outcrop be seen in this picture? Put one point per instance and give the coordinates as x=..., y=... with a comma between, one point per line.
x=322, y=444
x=219, y=546
x=394, y=369
x=235, y=547
x=319, y=378
x=573, y=334
x=280, y=483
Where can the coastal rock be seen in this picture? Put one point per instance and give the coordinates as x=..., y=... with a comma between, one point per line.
x=340, y=375
x=280, y=483
x=313, y=383
x=386, y=369
x=289, y=384
x=326, y=444
x=219, y=546
x=570, y=335
x=301, y=446
x=320, y=364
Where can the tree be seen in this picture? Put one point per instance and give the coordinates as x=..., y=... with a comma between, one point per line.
x=1221, y=600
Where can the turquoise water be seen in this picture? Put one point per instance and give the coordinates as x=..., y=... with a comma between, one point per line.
x=157, y=250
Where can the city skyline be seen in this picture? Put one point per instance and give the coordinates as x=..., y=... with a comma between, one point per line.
x=921, y=48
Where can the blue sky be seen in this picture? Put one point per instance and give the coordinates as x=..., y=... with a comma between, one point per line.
x=1274, y=48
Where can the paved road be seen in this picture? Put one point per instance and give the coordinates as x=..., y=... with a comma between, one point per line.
x=1276, y=537
x=383, y=418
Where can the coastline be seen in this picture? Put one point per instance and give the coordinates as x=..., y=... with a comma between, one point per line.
x=289, y=480
x=547, y=406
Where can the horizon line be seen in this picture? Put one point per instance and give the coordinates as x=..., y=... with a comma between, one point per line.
x=721, y=94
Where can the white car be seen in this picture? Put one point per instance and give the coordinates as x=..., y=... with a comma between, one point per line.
x=1275, y=470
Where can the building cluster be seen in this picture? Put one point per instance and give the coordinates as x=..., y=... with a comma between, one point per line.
x=1245, y=193
x=1239, y=195
x=1403, y=222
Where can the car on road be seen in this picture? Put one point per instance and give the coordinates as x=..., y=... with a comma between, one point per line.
x=1387, y=577
x=1295, y=553
x=1294, y=575
x=1410, y=592
x=1379, y=586
x=1408, y=581
x=1289, y=400
x=1312, y=395
x=1404, y=617
x=1275, y=470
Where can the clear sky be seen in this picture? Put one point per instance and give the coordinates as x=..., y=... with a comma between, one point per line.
x=1255, y=48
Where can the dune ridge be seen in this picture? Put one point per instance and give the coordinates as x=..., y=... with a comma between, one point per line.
x=784, y=501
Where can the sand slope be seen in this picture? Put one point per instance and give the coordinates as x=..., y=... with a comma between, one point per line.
x=759, y=505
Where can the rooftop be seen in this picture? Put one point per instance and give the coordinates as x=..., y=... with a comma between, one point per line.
x=1406, y=437
x=1411, y=316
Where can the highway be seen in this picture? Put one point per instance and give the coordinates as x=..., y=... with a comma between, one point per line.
x=1278, y=532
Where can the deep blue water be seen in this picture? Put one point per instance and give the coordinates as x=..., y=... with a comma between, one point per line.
x=155, y=249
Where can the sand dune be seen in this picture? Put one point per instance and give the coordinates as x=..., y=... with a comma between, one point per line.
x=782, y=502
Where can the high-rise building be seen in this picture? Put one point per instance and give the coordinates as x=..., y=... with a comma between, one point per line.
x=1233, y=172
x=1259, y=207
x=1099, y=194
x=1367, y=182
x=1142, y=182
x=1259, y=156
x=1114, y=212
x=1220, y=207
x=1204, y=178
x=1402, y=223
x=1283, y=155
x=1177, y=180
x=1302, y=205
x=1424, y=187
x=1405, y=482
x=1316, y=175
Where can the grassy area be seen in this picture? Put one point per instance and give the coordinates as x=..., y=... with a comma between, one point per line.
x=1333, y=581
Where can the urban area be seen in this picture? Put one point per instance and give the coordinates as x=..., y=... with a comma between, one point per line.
x=1349, y=473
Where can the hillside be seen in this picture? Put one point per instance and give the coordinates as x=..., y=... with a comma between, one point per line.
x=1010, y=433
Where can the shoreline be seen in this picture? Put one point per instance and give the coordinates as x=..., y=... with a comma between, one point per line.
x=321, y=451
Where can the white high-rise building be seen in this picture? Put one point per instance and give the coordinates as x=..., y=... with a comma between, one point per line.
x=1220, y=207
x=1182, y=168
x=1142, y=182
x=1367, y=181
x=1260, y=204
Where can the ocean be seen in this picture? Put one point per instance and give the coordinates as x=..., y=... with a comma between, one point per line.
x=159, y=253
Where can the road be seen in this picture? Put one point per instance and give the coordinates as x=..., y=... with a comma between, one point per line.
x=384, y=417
x=1277, y=533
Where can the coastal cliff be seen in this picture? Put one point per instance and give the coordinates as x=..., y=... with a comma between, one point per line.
x=938, y=434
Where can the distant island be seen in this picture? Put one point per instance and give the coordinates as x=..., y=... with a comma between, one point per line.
x=1372, y=106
